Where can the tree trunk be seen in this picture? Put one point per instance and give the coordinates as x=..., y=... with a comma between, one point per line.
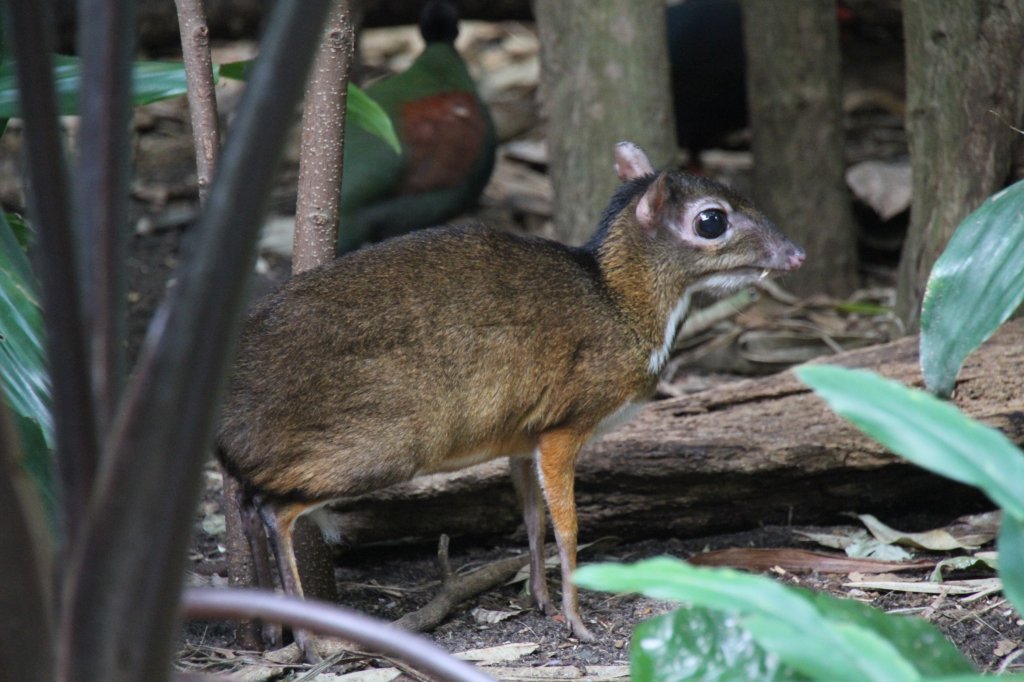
x=727, y=459
x=605, y=79
x=793, y=88
x=965, y=89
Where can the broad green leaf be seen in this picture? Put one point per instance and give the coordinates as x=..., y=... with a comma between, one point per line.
x=360, y=109
x=977, y=678
x=366, y=113
x=37, y=460
x=21, y=229
x=975, y=285
x=696, y=643
x=238, y=71
x=869, y=656
x=804, y=633
x=925, y=430
x=23, y=375
x=151, y=82
x=917, y=640
x=1011, y=560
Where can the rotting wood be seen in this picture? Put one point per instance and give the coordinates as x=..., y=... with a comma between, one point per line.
x=758, y=451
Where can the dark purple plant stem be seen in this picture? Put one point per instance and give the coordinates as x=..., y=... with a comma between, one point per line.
x=333, y=620
x=106, y=41
x=120, y=618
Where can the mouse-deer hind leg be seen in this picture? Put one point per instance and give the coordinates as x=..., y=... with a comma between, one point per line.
x=253, y=527
x=558, y=451
x=279, y=520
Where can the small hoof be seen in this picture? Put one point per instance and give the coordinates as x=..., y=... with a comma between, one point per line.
x=580, y=632
x=272, y=636
x=576, y=627
x=307, y=643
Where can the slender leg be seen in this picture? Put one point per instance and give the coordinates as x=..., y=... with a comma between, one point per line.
x=524, y=477
x=557, y=467
x=280, y=522
x=254, y=533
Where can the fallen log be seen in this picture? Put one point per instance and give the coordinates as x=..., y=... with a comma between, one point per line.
x=758, y=451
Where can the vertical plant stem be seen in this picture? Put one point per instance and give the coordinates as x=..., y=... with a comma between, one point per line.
x=323, y=143
x=202, y=105
x=202, y=101
x=316, y=222
x=74, y=416
x=121, y=613
x=106, y=32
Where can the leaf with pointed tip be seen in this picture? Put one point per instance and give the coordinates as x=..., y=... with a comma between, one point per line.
x=360, y=108
x=818, y=635
x=151, y=82
x=974, y=287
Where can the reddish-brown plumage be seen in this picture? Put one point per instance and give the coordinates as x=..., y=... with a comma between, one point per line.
x=443, y=134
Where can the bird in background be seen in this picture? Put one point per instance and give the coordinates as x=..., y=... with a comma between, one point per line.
x=447, y=138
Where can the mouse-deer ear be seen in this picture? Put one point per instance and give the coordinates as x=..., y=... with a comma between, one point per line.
x=631, y=162
x=651, y=203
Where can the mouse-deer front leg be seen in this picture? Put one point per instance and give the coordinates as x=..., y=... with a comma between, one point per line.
x=557, y=455
x=524, y=478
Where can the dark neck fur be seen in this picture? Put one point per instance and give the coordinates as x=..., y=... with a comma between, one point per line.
x=620, y=200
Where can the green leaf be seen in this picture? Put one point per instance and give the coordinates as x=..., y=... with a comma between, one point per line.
x=975, y=285
x=925, y=430
x=151, y=82
x=37, y=461
x=23, y=373
x=696, y=643
x=862, y=308
x=238, y=71
x=917, y=640
x=820, y=635
x=21, y=229
x=360, y=109
x=367, y=114
x=1011, y=559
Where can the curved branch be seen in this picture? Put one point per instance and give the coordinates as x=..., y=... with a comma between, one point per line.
x=202, y=603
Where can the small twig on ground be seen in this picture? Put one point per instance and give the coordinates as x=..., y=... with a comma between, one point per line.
x=457, y=589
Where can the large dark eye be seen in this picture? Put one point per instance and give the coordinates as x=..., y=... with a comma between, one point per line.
x=711, y=223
